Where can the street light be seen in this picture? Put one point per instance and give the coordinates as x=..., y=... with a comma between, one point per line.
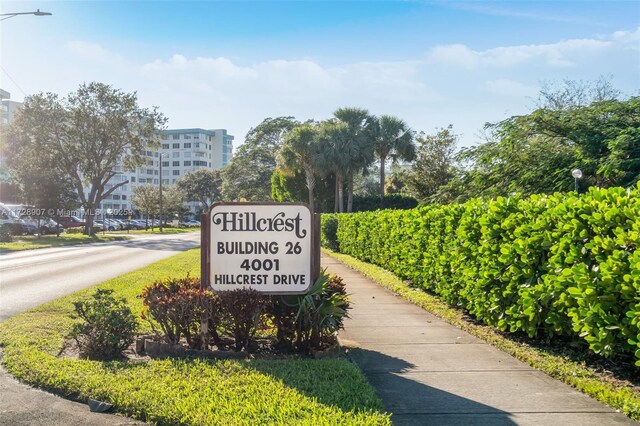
x=11, y=15
x=160, y=192
x=577, y=174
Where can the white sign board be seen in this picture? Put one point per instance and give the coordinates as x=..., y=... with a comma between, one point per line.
x=265, y=247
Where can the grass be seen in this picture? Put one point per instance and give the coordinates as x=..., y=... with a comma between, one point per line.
x=619, y=394
x=188, y=392
x=29, y=242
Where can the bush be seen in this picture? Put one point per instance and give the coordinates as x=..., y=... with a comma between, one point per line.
x=329, y=233
x=548, y=265
x=75, y=230
x=310, y=321
x=6, y=236
x=108, y=327
x=177, y=306
x=374, y=202
x=244, y=309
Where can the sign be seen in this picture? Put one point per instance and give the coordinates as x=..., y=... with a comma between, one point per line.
x=271, y=248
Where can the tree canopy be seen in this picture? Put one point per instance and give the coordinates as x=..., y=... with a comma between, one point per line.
x=86, y=136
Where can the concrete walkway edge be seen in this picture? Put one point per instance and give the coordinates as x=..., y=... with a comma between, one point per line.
x=427, y=371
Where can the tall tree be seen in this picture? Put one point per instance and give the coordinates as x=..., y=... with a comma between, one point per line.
x=434, y=164
x=203, y=186
x=392, y=138
x=575, y=93
x=301, y=151
x=146, y=199
x=358, y=150
x=334, y=139
x=248, y=176
x=85, y=136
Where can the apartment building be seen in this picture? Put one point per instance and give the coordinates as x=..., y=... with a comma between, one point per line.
x=182, y=151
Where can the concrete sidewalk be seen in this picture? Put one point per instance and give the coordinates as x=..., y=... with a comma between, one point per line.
x=427, y=371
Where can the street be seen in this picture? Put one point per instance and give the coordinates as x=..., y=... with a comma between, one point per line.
x=33, y=277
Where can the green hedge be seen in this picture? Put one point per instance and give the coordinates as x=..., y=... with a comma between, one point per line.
x=365, y=203
x=548, y=265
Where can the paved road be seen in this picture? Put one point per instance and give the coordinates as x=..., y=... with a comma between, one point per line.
x=33, y=277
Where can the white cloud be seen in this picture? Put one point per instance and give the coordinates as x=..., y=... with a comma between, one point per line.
x=559, y=54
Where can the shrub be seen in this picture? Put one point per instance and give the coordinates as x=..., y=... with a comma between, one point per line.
x=6, y=236
x=374, y=202
x=108, y=327
x=329, y=233
x=177, y=306
x=547, y=265
x=244, y=309
x=311, y=320
x=75, y=230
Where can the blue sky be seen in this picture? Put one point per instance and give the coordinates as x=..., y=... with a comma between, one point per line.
x=231, y=64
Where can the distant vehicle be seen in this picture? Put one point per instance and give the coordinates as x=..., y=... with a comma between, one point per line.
x=17, y=226
x=70, y=221
x=133, y=224
x=43, y=225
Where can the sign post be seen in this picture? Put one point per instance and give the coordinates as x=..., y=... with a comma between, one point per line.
x=273, y=248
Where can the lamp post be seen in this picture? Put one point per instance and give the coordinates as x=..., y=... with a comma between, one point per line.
x=11, y=15
x=577, y=174
x=160, y=193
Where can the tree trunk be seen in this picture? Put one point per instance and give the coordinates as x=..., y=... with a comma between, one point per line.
x=350, y=194
x=311, y=181
x=335, y=196
x=340, y=184
x=382, y=177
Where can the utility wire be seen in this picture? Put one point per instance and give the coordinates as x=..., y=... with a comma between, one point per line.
x=14, y=82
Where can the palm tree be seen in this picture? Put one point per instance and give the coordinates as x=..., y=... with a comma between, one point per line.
x=393, y=138
x=358, y=151
x=333, y=139
x=300, y=150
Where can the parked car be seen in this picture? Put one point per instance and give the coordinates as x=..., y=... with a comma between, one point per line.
x=106, y=225
x=70, y=221
x=17, y=226
x=134, y=224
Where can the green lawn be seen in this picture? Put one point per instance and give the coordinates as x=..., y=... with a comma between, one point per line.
x=30, y=242
x=570, y=367
x=189, y=392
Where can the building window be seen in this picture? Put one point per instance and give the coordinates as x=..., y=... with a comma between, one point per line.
x=142, y=180
x=115, y=196
x=176, y=154
x=165, y=164
x=176, y=164
x=187, y=136
x=149, y=171
x=209, y=164
x=176, y=173
x=133, y=179
x=155, y=172
x=176, y=146
x=174, y=181
x=165, y=146
x=124, y=197
x=187, y=154
x=187, y=163
x=187, y=144
x=176, y=137
x=165, y=181
x=155, y=181
x=165, y=137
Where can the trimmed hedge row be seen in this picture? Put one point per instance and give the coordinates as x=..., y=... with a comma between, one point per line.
x=548, y=265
